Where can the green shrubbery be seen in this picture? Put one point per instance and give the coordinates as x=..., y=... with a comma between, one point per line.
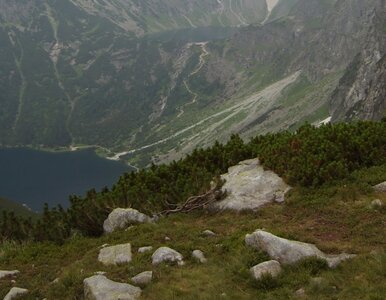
x=308, y=157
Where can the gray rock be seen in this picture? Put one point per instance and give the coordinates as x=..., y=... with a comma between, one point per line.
x=98, y=287
x=300, y=293
x=121, y=218
x=167, y=239
x=208, y=233
x=145, y=249
x=4, y=274
x=249, y=186
x=271, y=267
x=114, y=255
x=143, y=278
x=380, y=187
x=290, y=252
x=15, y=293
x=166, y=254
x=199, y=256
x=377, y=203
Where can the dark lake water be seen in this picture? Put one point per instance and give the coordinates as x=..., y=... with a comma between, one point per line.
x=34, y=177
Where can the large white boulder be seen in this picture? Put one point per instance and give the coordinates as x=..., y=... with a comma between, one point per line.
x=15, y=293
x=289, y=252
x=380, y=187
x=143, y=278
x=115, y=255
x=166, y=254
x=249, y=186
x=271, y=267
x=4, y=274
x=121, y=218
x=99, y=287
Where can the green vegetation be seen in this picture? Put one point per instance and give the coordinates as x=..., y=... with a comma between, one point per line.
x=309, y=157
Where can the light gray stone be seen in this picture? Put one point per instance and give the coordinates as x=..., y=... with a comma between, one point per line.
x=114, y=255
x=271, y=267
x=208, y=233
x=380, y=187
x=289, y=252
x=98, y=287
x=145, y=249
x=15, y=293
x=121, y=218
x=377, y=203
x=4, y=274
x=199, y=256
x=248, y=187
x=166, y=254
x=143, y=278
x=300, y=293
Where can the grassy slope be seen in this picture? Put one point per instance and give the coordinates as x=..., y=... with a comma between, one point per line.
x=336, y=218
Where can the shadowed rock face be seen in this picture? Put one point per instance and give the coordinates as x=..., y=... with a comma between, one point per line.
x=98, y=287
x=249, y=186
x=289, y=252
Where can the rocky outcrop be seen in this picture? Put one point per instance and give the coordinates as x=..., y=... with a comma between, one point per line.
x=249, y=186
x=15, y=293
x=289, y=252
x=199, y=256
x=4, y=274
x=99, y=287
x=271, y=267
x=381, y=188
x=166, y=254
x=115, y=255
x=143, y=279
x=121, y=218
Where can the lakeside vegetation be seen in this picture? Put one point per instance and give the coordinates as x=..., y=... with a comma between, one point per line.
x=309, y=157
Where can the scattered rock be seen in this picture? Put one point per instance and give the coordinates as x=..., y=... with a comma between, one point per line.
x=248, y=186
x=300, y=293
x=289, y=252
x=199, y=256
x=145, y=249
x=104, y=245
x=271, y=267
x=15, y=293
x=55, y=281
x=121, y=218
x=143, y=279
x=317, y=281
x=167, y=238
x=380, y=187
x=98, y=287
x=4, y=274
x=166, y=254
x=377, y=203
x=208, y=233
x=114, y=255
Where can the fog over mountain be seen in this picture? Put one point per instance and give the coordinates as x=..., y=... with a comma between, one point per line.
x=158, y=78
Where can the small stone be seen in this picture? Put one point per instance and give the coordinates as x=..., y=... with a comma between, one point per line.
x=98, y=287
x=114, y=255
x=301, y=293
x=208, y=233
x=167, y=238
x=143, y=279
x=145, y=249
x=271, y=267
x=104, y=245
x=223, y=295
x=166, y=254
x=4, y=274
x=56, y=280
x=317, y=280
x=199, y=256
x=377, y=203
x=15, y=293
